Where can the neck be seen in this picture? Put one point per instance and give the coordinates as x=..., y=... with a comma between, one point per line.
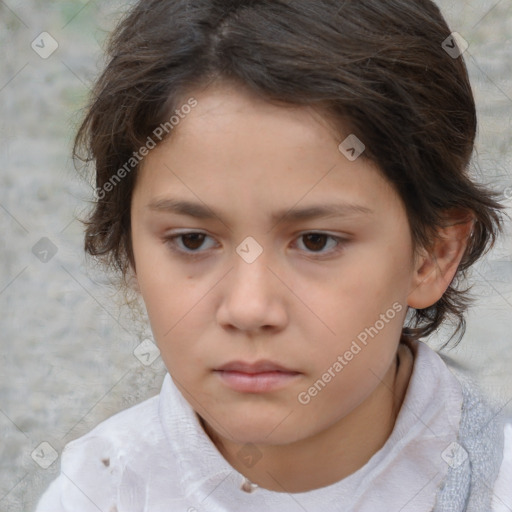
x=335, y=453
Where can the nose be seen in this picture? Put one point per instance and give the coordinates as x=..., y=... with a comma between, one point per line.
x=253, y=297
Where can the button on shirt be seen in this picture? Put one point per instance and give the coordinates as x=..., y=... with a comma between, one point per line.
x=156, y=457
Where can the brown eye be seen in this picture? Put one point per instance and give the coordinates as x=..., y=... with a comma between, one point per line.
x=321, y=244
x=189, y=245
x=193, y=241
x=315, y=241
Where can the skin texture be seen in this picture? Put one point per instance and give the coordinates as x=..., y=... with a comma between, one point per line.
x=300, y=304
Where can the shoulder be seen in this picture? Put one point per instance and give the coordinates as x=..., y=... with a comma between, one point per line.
x=502, y=492
x=93, y=465
x=116, y=435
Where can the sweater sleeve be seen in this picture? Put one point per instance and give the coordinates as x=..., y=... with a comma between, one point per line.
x=502, y=496
x=87, y=481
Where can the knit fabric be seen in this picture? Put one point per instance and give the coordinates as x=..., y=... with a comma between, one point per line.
x=476, y=458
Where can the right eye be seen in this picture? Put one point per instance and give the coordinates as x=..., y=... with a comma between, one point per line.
x=190, y=242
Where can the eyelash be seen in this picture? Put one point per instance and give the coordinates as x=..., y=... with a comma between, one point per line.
x=170, y=241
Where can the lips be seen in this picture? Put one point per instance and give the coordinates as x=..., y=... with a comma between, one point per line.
x=256, y=367
x=257, y=377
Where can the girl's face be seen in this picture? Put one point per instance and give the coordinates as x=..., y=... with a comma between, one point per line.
x=275, y=271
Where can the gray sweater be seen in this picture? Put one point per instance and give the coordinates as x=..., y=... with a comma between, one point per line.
x=476, y=458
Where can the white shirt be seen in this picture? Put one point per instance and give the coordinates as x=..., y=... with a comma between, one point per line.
x=155, y=457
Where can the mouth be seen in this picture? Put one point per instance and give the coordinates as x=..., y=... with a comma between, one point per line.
x=258, y=377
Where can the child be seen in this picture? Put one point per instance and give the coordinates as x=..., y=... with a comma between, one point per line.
x=229, y=140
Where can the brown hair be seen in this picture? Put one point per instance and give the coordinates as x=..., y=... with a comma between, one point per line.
x=375, y=67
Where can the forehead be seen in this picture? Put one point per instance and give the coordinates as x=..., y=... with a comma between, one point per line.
x=237, y=145
x=225, y=109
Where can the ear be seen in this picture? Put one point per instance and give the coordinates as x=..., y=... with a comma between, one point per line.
x=435, y=268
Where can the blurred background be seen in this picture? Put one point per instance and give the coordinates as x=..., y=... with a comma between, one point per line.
x=72, y=355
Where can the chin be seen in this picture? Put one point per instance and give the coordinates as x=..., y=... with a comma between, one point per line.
x=253, y=429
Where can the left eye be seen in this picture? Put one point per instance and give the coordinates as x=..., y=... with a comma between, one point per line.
x=317, y=241
x=192, y=241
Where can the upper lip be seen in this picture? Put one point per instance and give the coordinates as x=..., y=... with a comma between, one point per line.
x=255, y=367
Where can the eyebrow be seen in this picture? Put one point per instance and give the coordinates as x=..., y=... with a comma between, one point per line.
x=201, y=211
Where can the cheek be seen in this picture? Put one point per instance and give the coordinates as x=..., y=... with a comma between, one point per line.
x=176, y=314
x=163, y=290
x=170, y=306
x=362, y=303
x=176, y=322
x=360, y=291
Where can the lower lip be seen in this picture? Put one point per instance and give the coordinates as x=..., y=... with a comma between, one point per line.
x=256, y=382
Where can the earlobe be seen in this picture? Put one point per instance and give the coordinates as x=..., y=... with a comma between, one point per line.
x=436, y=268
